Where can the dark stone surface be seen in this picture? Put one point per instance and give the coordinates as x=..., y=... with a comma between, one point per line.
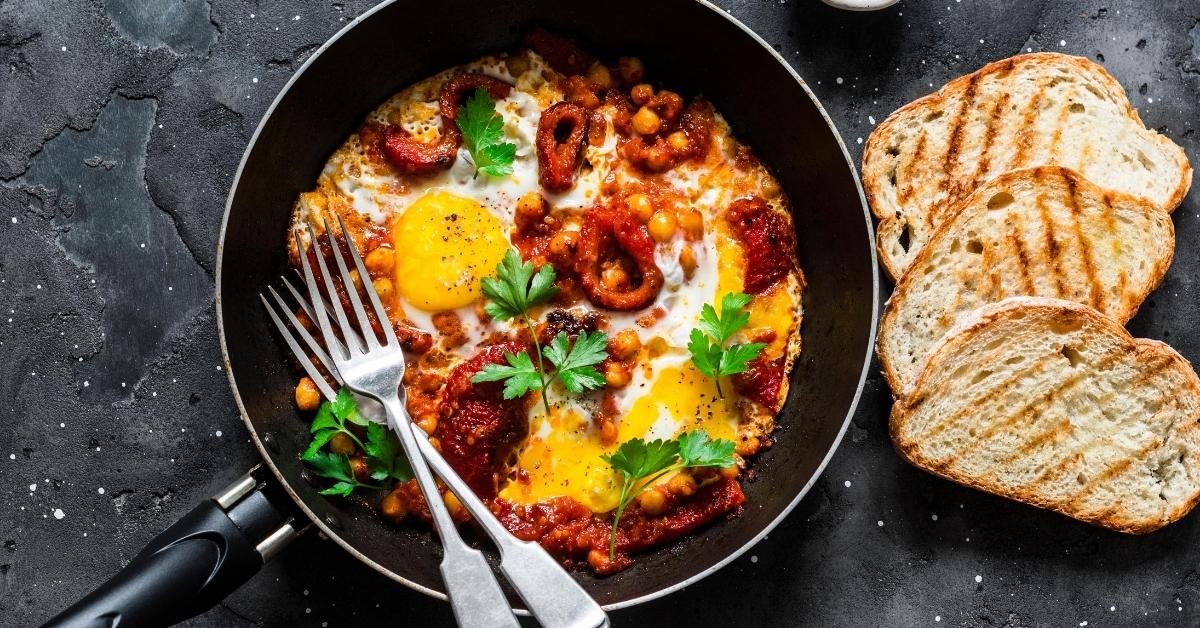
x=121, y=125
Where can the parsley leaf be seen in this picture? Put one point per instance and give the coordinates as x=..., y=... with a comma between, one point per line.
x=482, y=129
x=511, y=292
x=707, y=341
x=641, y=463
x=696, y=450
x=381, y=448
x=519, y=376
x=732, y=318
x=575, y=363
x=637, y=458
x=336, y=467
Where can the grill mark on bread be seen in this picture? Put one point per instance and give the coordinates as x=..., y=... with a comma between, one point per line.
x=1028, y=132
x=1087, y=258
x=1053, y=251
x=986, y=397
x=905, y=189
x=1140, y=380
x=1056, y=155
x=1018, y=245
x=1035, y=405
x=989, y=137
x=950, y=161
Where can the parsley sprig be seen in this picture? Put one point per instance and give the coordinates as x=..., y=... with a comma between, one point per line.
x=482, y=129
x=381, y=449
x=641, y=463
x=513, y=292
x=707, y=342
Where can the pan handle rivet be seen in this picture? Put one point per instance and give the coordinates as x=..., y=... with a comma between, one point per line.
x=332, y=521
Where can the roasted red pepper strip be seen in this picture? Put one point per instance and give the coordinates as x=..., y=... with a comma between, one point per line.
x=413, y=156
x=562, y=132
x=609, y=230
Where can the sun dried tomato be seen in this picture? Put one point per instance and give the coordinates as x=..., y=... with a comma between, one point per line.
x=478, y=428
x=767, y=241
x=762, y=382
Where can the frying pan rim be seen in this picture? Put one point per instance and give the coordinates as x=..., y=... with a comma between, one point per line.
x=733, y=555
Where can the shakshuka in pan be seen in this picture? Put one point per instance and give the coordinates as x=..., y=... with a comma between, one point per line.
x=597, y=288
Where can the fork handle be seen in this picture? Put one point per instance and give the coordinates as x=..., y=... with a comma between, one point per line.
x=475, y=594
x=552, y=595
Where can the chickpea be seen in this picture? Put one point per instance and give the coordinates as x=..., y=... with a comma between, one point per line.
x=687, y=261
x=305, y=321
x=428, y=422
x=600, y=75
x=646, y=122
x=563, y=243
x=682, y=484
x=308, y=397
x=385, y=289
x=598, y=558
x=692, y=222
x=641, y=205
x=381, y=261
x=631, y=69
x=531, y=210
x=624, y=345
x=614, y=278
x=356, y=279
x=662, y=226
x=653, y=502
x=608, y=432
x=393, y=507
x=730, y=472
x=678, y=140
x=342, y=444
x=641, y=94
x=457, y=510
x=616, y=375
x=362, y=472
x=658, y=158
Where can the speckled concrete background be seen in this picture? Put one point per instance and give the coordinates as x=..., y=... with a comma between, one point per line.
x=120, y=128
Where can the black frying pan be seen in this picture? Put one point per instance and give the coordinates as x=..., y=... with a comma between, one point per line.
x=689, y=46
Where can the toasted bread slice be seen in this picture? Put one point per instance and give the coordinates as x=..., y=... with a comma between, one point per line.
x=1044, y=232
x=1030, y=110
x=1050, y=403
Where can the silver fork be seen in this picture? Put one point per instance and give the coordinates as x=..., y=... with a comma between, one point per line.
x=365, y=366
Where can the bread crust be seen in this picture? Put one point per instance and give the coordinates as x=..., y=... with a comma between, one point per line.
x=1143, y=351
x=1041, y=175
x=874, y=165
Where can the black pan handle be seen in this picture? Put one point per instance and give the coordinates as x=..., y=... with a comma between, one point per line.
x=194, y=563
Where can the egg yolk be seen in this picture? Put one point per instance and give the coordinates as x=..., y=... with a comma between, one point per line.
x=446, y=243
x=562, y=456
x=773, y=309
